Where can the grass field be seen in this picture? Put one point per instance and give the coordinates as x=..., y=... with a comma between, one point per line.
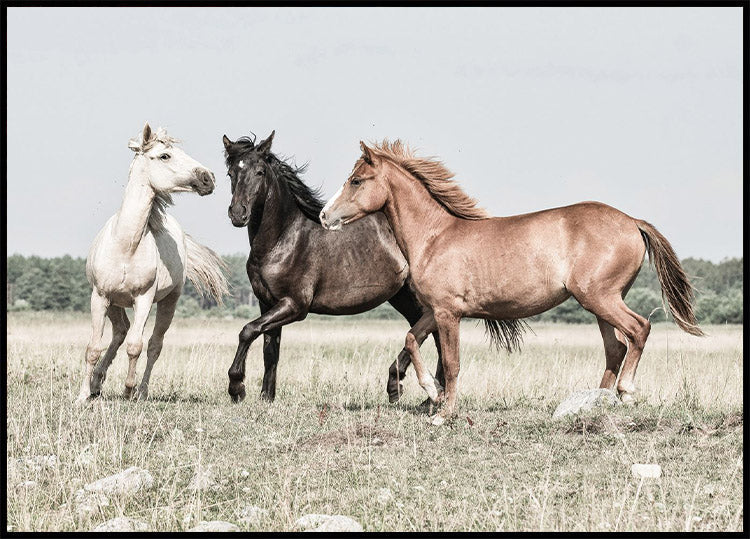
x=331, y=443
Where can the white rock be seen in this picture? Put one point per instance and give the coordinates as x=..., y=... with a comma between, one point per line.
x=122, y=524
x=125, y=482
x=214, y=526
x=87, y=503
x=327, y=523
x=647, y=471
x=586, y=399
x=203, y=480
x=251, y=514
x=385, y=495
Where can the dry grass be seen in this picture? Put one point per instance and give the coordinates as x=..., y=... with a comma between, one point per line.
x=331, y=441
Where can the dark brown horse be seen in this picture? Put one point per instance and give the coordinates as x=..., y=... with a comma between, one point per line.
x=296, y=268
x=464, y=263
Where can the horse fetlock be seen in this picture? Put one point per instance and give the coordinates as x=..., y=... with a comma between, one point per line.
x=428, y=383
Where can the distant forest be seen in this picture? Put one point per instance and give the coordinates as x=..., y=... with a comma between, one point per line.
x=35, y=283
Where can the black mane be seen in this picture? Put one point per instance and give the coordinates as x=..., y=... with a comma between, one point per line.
x=308, y=200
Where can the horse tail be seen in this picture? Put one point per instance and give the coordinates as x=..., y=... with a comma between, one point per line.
x=205, y=269
x=675, y=285
x=507, y=334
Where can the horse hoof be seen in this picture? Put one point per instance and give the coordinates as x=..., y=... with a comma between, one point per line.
x=437, y=420
x=627, y=398
x=237, y=392
x=396, y=395
x=264, y=396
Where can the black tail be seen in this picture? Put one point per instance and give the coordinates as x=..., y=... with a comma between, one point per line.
x=507, y=334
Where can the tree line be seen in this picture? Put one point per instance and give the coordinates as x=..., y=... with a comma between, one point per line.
x=59, y=284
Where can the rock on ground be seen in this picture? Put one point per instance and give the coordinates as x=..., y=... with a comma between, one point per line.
x=214, y=526
x=646, y=471
x=125, y=482
x=327, y=523
x=251, y=514
x=584, y=400
x=122, y=524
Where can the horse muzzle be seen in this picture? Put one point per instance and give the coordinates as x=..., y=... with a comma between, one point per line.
x=239, y=215
x=330, y=223
x=204, y=181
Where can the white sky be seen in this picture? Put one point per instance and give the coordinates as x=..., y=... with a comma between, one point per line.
x=532, y=108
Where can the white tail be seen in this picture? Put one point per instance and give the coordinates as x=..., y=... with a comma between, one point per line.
x=205, y=269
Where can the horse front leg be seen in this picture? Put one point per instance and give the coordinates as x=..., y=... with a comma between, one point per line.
x=284, y=312
x=414, y=338
x=99, y=306
x=164, y=313
x=448, y=328
x=271, y=346
x=134, y=340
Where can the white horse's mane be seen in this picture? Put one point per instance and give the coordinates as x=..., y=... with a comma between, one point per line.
x=138, y=145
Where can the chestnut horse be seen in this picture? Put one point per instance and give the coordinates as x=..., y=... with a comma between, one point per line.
x=465, y=263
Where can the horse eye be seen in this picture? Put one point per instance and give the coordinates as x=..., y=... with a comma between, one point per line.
x=164, y=156
x=355, y=183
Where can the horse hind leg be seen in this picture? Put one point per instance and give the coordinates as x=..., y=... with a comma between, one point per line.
x=634, y=328
x=164, y=313
x=99, y=305
x=120, y=326
x=615, y=348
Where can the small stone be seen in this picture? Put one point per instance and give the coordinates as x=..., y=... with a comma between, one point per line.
x=214, y=526
x=418, y=488
x=645, y=471
x=203, y=480
x=251, y=514
x=385, y=495
x=122, y=524
x=244, y=473
x=437, y=420
x=126, y=482
x=584, y=400
x=327, y=523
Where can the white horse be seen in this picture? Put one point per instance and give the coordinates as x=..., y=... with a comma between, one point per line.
x=142, y=257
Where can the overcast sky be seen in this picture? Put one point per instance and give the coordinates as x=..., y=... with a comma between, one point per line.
x=640, y=108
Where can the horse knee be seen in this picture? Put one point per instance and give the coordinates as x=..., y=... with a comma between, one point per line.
x=248, y=332
x=410, y=343
x=92, y=354
x=134, y=348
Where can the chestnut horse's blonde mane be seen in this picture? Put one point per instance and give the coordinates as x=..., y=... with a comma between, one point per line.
x=435, y=177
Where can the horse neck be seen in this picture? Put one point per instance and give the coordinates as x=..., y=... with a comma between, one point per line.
x=415, y=216
x=132, y=219
x=279, y=211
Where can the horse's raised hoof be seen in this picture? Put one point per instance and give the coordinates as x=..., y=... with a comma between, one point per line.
x=237, y=391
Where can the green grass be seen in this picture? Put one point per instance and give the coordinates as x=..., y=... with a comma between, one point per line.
x=330, y=442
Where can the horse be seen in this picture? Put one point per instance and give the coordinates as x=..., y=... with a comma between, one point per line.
x=142, y=257
x=464, y=263
x=296, y=268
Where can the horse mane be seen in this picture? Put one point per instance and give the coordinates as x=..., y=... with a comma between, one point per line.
x=435, y=177
x=159, y=211
x=308, y=200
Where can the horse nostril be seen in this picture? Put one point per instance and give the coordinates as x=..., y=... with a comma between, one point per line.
x=322, y=216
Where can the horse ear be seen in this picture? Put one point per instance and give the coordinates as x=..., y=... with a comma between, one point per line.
x=227, y=143
x=264, y=146
x=146, y=135
x=367, y=154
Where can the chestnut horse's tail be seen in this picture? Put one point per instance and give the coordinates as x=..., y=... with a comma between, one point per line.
x=506, y=334
x=675, y=286
x=205, y=269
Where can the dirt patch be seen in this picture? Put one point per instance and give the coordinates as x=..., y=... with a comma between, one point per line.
x=360, y=434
